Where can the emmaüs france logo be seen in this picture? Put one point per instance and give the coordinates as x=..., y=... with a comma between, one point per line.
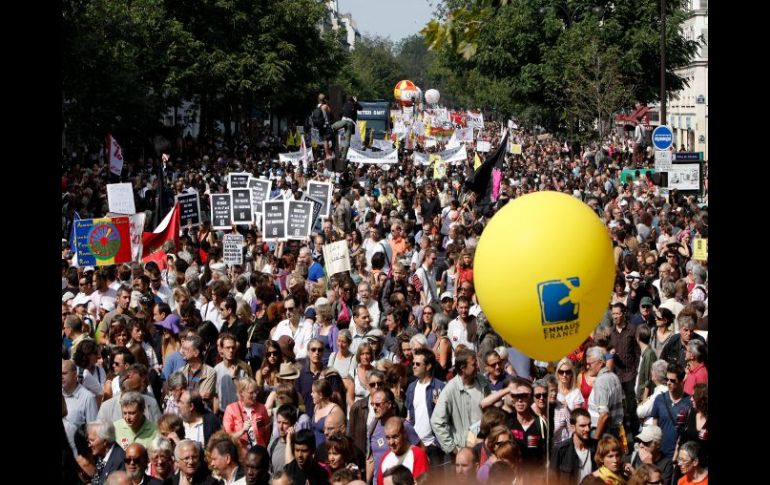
x=559, y=312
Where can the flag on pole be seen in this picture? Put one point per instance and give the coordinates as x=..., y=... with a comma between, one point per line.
x=116, y=155
x=307, y=155
x=481, y=180
x=167, y=230
x=476, y=161
x=290, y=140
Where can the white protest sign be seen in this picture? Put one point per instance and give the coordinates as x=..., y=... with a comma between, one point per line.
x=232, y=249
x=475, y=120
x=120, y=198
x=662, y=160
x=483, y=146
x=336, y=257
x=464, y=134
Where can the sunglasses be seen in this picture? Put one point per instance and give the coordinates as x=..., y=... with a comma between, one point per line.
x=521, y=397
x=290, y=309
x=132, y=461
x=673, y=381
x=565, y=372
x=272, y=354
x=417, y=364
x=541, y=395
x=316, y=349
x=378, y=404
x=376, y=384
x=658, y=482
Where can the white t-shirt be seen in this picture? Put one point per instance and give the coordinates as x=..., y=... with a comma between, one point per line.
x=585, y=461
x=194, y=432
x=458, y=334
x=421, y=418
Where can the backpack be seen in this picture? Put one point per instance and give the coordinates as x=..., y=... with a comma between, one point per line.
x=318, y=118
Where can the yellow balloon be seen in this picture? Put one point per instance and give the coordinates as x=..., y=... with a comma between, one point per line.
x=544, y=271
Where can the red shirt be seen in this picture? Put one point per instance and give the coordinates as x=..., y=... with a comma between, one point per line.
x=695, y=375
x=234, y=418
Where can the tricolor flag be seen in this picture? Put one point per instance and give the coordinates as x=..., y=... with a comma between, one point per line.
x=116, y=155
x=167, y=230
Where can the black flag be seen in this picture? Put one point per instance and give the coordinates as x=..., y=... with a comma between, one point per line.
x=480, y=181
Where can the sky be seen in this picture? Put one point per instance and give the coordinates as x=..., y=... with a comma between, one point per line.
x=394, y=18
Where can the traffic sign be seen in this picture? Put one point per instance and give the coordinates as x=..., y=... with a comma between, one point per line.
x=662, y=138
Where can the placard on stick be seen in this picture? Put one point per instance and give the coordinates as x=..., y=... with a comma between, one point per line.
x=321, y=191
x=232, y=249
x=190, y=209
x=241, y=206
x=221, y=217
x=273, y=220
x=298, y=216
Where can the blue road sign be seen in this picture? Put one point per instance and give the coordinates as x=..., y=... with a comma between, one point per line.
x=662, y=138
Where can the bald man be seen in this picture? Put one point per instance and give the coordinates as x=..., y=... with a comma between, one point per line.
x=401, y=452
x=335, y=424
x=466, y=465
x=136, y=463
x=118, y=478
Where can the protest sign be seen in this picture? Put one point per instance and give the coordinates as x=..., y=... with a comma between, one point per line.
x=336, y=257
x=103, y=241
x=298, y=219
x=190, y=207
x=241, y=212
x=321, y=191
x=120, y=198
x=273, y=220
x=232, y=249
x=221, y=217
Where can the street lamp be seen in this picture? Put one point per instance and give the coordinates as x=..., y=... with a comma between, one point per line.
x=663, y=62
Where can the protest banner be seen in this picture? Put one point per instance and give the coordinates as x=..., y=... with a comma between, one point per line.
x=120, y=198
x=273, y=220
x=241, y=211
x=221, y=216
x=103, y=241
x=190, y=206
x=298, y=219
x=336, y=257
x=321, y=191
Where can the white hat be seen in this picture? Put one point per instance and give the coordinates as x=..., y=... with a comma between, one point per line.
x=446, y=294
x=81, y=300
x=107, y=303
x=267, y=269
x=219, y=266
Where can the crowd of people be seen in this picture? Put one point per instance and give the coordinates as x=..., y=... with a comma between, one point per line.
x=190, y=371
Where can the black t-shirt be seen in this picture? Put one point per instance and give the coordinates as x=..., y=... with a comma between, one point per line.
x=316, y=475
x=430, y=208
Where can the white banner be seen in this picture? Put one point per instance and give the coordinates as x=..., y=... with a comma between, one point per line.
x=387, y=156
x=662, y=161
x=464, y=134
x=232, y=249
x=120, y=198
x=483, y=146
x=292, y=157
x=116, y=157
x=136, y=226
x=336, y=257
x=382, y=144
x=452, y=156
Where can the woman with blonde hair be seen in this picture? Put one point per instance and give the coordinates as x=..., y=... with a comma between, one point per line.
x=246, y=420
x=357, y=383
x=325, y=329
x=568, y=391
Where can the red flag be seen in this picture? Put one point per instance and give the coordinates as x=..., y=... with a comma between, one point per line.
x=167, y=230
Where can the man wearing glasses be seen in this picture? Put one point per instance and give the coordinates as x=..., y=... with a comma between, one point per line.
x=671, y=408
x=187, y=457
x=496, y=375
x=310, y=374
x=384, y=405
x=421, y=397
x=605, y=403
x=294, y=327
x=136, y=461
x=529, y=432
x=362, y=415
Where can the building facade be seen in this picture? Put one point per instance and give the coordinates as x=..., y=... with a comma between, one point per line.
x=335, y=21
x=687, y=110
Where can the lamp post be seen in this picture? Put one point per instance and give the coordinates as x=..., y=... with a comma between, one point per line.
x=663, y=62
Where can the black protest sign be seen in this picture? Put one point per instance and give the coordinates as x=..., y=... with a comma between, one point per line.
x=238, y=180
x=298, y=217
x=321, y=191
x=190, y=209
x=273, y=220
x=317, y=205
x=241, y=207
x=221, y=217
x=260, y=191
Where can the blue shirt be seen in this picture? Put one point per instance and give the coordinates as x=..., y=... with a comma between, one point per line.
x=669, y=427
x=315, y=272
x=174, y=362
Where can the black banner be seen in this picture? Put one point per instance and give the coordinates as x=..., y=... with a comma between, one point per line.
x=273, y=220
x=190, y=209
x=298, y=219
x=241, y=211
